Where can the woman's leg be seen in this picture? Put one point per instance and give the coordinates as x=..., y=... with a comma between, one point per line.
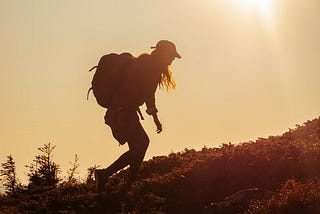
x=120, y=163
x=138, y=143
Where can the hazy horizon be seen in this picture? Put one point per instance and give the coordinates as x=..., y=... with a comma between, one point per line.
x=248, y=70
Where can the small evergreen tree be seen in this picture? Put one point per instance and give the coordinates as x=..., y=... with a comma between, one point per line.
x=44, y=171
x=8, y=174
x=73, y=170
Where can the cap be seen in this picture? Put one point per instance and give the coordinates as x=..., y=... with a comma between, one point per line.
x=167, y=46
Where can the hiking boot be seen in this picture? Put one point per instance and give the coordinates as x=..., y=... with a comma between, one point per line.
x=100, y=176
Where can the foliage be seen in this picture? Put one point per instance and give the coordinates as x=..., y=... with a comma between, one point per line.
x=293, y=197
x=90, y=174
x=189, y=181
x=43, y=171
x=73, y=170
x=8, y=174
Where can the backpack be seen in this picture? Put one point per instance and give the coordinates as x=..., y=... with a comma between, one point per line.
x=108, y=75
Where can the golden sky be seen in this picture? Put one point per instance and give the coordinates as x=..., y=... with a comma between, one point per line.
x=249, y=69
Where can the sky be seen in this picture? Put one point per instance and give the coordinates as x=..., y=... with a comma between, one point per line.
x=249, y=69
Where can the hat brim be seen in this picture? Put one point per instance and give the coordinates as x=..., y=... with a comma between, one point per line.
x=177, y=55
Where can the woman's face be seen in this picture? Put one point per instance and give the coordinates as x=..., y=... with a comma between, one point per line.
x=167, y=59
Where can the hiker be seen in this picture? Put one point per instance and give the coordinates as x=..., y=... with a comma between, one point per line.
x=145, y=74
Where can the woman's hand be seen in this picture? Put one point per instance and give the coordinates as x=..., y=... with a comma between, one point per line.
x=159, y=126
x=157, y=122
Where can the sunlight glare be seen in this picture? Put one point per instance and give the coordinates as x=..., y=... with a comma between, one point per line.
x=263, y=8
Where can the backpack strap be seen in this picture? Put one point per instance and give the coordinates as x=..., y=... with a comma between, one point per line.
x=90, y=89
x=140, y=114
x=94, y=67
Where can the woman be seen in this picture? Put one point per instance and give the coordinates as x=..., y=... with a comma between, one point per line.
x=145, y=74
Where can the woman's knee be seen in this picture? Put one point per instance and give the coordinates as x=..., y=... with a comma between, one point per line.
x=139, y=146
x=142, y=145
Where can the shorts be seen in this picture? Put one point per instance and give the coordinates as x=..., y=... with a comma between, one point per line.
x=131, y=125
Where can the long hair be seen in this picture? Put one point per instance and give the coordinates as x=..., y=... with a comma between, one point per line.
x=167, y=81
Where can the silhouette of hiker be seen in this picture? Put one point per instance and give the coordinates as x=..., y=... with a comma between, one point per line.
x=146, y=73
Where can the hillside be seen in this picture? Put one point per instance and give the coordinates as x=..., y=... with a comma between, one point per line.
x=283, y=172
